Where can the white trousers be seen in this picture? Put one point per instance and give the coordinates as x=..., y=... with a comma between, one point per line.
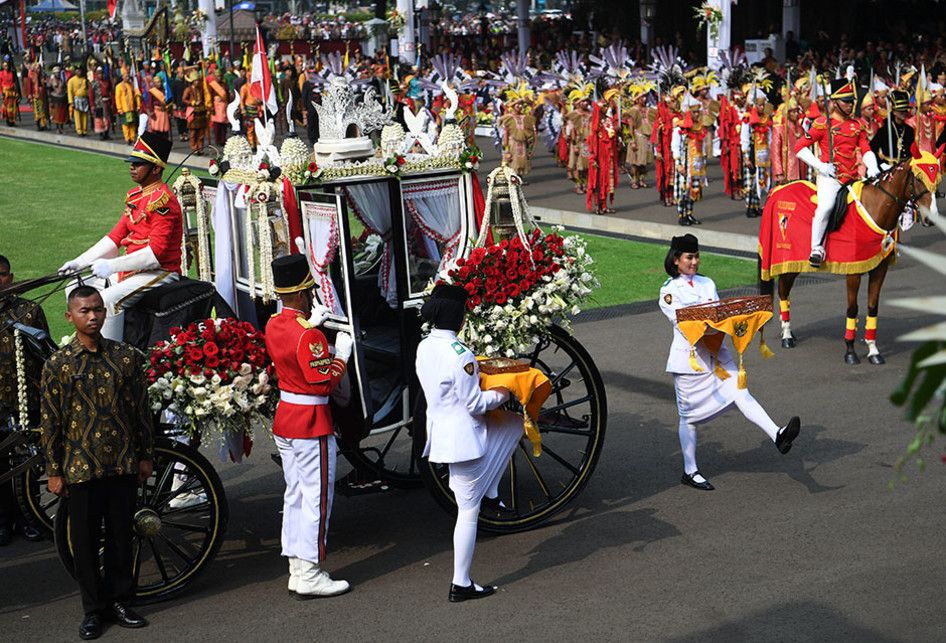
x=828, y=189
x=119, y=295
x=308, y=465
x=473, y=479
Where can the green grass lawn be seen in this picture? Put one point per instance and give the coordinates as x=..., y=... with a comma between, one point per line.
x=57, y=202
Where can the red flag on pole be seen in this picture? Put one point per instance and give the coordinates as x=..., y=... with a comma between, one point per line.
x=112, y=7
x=261, y=81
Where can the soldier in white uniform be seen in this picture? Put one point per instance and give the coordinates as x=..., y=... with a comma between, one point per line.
x=458, y=433
x=702, y=395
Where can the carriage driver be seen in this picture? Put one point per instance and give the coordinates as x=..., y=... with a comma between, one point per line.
x=476, y=448
x=150, y=230
x=848, y=134
x=302, y=429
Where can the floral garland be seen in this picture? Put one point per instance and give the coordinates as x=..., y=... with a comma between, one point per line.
x=312, y=172
x=21, y=398
x=470, y=158
x=396, y=19
x=394, y=163
x=203, y=223
x=520, y=211
x=708, y=15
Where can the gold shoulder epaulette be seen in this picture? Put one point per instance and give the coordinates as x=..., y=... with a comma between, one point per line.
x=304, y=322
x=159, y=202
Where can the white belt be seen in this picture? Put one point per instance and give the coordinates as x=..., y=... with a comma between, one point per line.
x=304, y=400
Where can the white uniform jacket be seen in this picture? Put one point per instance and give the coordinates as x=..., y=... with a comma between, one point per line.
x=450, y=378
x=679, y=292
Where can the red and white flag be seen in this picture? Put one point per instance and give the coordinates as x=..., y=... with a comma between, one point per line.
x=112, y=7
x=261, y=82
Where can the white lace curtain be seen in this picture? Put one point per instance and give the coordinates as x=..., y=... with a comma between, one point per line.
x=319, y=219
x=435, y=208
x=371, y=205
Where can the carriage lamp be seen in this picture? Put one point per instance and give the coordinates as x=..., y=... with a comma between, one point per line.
x=187, y=197
x=500, y=214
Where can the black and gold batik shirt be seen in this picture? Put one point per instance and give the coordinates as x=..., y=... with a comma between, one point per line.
x=27, y=313
x=95, y=417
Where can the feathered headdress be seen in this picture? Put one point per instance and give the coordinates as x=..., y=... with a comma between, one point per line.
x=614, y=64
x=567, y=70
x=581, y=93
x=734, y=69
x=520, y=92
x=668, y=67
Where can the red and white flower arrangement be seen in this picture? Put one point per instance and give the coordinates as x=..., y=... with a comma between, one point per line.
x=520, y=287
x=214, y=374
x=394, y=163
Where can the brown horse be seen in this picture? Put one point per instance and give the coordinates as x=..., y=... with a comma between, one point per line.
x=911, y=182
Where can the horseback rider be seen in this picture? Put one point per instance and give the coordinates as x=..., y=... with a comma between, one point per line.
x=838, y=163
x=893, y=140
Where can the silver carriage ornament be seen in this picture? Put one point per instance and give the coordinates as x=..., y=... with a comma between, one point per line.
x=345, y=121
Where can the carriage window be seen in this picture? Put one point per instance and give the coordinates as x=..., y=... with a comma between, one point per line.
x=433, y=227
x=322, y=234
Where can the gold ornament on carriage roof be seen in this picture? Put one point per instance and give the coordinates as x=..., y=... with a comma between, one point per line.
x=737, y=317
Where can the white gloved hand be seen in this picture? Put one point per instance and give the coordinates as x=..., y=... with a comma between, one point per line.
x=343, y=346
x=870, y=162
x=827, y=169
x=505, y=393
x=319, y=314
x=102, y=268
x=70, y=266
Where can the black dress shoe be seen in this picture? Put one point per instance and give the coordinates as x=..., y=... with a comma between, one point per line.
x=688, y=480
x=91, y=627
x=694, y=220
x=127, y=617
x=32, y=533
x=684, y=221
x=787, y=434
x=459, y=594
x=6, y=536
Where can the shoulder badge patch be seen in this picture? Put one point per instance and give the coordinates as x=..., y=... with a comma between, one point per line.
x=458, y=348
x=668, y=298
x=468, y=368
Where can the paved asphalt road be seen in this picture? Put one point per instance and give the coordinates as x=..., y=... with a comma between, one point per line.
x=814, y=545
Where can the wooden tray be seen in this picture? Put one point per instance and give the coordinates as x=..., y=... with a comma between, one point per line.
x=497, y=365
x=728, y=307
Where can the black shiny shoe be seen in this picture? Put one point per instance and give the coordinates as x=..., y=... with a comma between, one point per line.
x=459, y=594
x=127, y=617
x=787, y=434
x=31, y=533
x=694, y=220
x=684, y=221
x=91, y=627
x=688, y=480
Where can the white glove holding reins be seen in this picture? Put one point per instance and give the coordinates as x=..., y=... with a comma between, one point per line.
x=103, y=248
x=143, y=259
x=824, y=169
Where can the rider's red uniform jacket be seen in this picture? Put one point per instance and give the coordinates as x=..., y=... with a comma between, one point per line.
x=306, y=371
x=152, y=217
x=848, y=136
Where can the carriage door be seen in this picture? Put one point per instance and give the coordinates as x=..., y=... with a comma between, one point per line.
x=324, y=221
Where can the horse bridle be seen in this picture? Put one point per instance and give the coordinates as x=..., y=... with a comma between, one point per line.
x=900, y=202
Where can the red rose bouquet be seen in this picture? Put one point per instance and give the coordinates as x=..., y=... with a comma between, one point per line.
x=215, y=373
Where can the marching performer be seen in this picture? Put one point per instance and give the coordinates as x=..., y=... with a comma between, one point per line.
x=150, y=229
x=476, y=449
x=640, y=153
x=77, y=90
x=10, y=91
x=127, y=106
x=701, y=392
x=837, y=161
x=786, y=131
x=689, y=163
x=303, y=430
x=755, y=142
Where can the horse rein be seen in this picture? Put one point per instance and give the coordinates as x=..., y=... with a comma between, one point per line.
x=901, y=201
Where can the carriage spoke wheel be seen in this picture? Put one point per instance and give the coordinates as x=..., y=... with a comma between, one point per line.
x=180, y=521
x=34, y=498
x=389, y=455
x=572, y=425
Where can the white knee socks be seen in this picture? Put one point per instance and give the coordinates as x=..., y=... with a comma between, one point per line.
x=688, y=447
x=755, y=413
x=464, y=542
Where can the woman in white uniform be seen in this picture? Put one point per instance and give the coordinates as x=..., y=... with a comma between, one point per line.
x=702, y=395
x=458, y=432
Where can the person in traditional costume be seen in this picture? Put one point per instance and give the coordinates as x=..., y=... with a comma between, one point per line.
x=578, y=126
x=756, y=143
x=786, y=131
x=475, y=447
x=77, y=90
x=641, y=123
x=58, y=100
x=220, y=95
x=196, y=105
x=702, y=87
x=602, y=166
x=252, y=108
x=924, y=121
x=519, y=131
x=705, y=380
x=848, y=136
x=101, y=104
x=10, y=91
x=159, y=120
x=150, y=229
x=689, y=163
x=36, y=94
x=661, y=137
x=127, y=106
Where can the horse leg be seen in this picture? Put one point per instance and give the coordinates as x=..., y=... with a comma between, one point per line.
x=875, y=282
x=785, y=283
x=850, y=324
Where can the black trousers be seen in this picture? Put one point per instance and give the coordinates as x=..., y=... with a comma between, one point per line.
x=110, y=500
x=182, y=127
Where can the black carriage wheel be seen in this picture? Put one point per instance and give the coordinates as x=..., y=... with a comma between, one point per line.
x=34, y=498
x=180, y=522
x=572, y=424
x=389, y=455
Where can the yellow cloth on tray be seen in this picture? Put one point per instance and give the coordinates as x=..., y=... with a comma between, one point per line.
x=531, y=388
x=740, y=328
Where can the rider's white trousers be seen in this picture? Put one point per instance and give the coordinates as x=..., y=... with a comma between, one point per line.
x=827, y=191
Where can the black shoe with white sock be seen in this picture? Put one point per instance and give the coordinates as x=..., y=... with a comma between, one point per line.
x=787, y=434
x=689, y=479
x=458, y=593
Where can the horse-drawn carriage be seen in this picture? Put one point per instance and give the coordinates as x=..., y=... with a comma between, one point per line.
x=375, y=242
